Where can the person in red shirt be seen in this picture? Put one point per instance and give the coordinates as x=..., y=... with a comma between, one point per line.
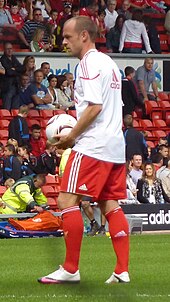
x=38, y=144
x=91, y=11
x=17, y=19
x=53, y=18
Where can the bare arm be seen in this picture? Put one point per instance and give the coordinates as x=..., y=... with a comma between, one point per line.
x=87, y=117
x=22, y=38
x=142, y=89
x=47, y=6
x=155, y=89
x=39, y=101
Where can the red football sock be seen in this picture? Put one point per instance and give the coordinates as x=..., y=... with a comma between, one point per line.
x=119, y=232
x=73, y=233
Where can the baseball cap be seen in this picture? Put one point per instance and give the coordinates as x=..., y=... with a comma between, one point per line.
x=67, y=4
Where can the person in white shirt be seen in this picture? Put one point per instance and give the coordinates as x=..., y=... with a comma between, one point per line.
x=133, y=34
x=96, y=165
x=111, y=14
x=135, y=169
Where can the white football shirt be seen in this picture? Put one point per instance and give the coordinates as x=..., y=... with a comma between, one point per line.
x=98, y=81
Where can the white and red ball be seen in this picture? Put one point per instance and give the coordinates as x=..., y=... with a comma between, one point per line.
x=59, y=124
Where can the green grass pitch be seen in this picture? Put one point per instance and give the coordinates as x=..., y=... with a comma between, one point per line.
x=22, y=261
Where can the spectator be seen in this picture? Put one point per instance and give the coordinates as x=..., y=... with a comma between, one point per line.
x=91, y=11
x=133, y=34
x=25, y=196
x=2, y=73
x=161, y=141
x=149, y=187
x=21, y=97
x=134, y=139
x=53, y=18
x=45, y=8
x=163, y=150
x=111, y=14
x=124, y=10
x=70, y=85
x=113, y=36
x=37, y=143
x=13, y=141
x=63, y=98
x=135, y=167
x=18, y=127
x=29, y=67
x=27, y=31
x=47, y=161
x=29, y=162
x=165, y=179
x=157, y=161
x=75, y=11
x=45, y=68
x=12, y=165
x=38, y=93
x=163, y=170
x=16, y=17
x=5, y=16
x=102, y=27
x=62, y=18
x=37, y=44
x=52, y=80
x=145, y=77
x=13, y=69
x=130, y=94
x=167, y=22
x=152, y=34
x=1, y=164
x=88, y=210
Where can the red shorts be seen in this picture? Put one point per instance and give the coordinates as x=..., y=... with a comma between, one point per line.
x=99, y=179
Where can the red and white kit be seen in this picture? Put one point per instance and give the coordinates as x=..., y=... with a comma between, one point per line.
x=98, y=81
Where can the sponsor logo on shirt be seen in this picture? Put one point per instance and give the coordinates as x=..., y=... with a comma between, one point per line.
x=115, y=84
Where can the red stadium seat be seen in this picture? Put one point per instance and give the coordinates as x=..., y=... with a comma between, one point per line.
x=159, y=133
x=167, y=118
x=4, y=134
x=59, y=111
x=160, y=124
x=50, y=180
x=49, y=191
x=31, y=122
x=72, y=113
x=52, y=202
x=46, y=113
x=163, y=95
x=146, y=124
x=14, y=112
x=164, y=43
x=5, y=114
x=4, y=124
x=33, y=114
x=150, y=144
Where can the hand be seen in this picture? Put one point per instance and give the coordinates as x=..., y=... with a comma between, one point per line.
x=37, y=209
x=64, y=142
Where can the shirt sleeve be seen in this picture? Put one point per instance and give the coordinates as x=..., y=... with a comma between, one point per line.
x=91, y=79
x=140, y=74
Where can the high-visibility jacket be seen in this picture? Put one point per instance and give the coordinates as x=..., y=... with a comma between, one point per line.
x=20, y=195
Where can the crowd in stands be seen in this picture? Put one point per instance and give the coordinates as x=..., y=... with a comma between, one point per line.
x=124, y=26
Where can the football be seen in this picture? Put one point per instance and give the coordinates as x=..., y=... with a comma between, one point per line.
x=59, y=124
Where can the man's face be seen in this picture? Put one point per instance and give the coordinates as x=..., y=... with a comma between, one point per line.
x=164, y=151
x=24, y=81
x=38, y=183
x=45, y=69
x=72, y=40
x=37, y=16
x=137, y=161
x=69, y=78
x=39, y=77
x=8, y=50
x=148, y=64
x=111, y=6
x=36, y=133
x=125, y=5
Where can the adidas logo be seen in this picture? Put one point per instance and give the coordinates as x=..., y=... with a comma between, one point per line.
x=121, y=234
x=83, y=188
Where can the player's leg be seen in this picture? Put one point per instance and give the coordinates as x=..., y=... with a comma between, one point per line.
x=115, y=189
x=73, y=233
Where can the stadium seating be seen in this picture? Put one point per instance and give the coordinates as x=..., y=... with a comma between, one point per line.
x=146, y=124
x=4, y=124
x=5, y=114
x=160, y=124
x=3, y=134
